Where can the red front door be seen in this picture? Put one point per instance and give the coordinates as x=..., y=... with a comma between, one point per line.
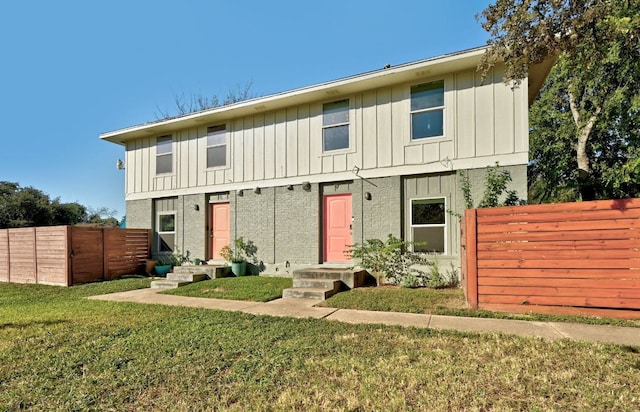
x=337, y=227
x=220, y=228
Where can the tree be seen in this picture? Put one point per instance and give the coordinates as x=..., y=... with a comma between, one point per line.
x=102, y=216
x=198, y=102
x=23, y=207
x=597, y=41
x=31, y=208
x=68, y=213
x=613, y=146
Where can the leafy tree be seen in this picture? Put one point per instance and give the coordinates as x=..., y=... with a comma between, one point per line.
x=24, y=207
x=613, y=149
x=67, y=213
x=32, y=208
x=596, y=83
x=102, y=216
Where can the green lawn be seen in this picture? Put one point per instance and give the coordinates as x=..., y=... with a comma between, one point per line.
x=59, y=351
x=253, y=288
x=442, y=302
x=388, y=298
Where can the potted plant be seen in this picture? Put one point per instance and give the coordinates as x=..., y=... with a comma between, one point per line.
x=167, y=261
x=237, y=255
x=150, y=264
x=163, y=266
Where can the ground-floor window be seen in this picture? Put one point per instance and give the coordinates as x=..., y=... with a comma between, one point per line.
x=428, y=225
x=166, y=231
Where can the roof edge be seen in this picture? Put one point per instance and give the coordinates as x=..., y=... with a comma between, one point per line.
x=120, y=136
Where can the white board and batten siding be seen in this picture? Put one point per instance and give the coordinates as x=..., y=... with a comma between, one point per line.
x=483, y=122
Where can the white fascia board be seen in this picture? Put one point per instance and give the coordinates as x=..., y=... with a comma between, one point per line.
x=334, y=89
x=438, y=166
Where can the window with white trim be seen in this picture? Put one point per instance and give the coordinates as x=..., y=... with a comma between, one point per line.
x=428, y=225
x=335, y=125
x=164, y=155
x=427, y=110
x=217, y=146
x=166, y=232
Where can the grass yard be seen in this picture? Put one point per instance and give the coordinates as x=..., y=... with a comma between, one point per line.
x=442, y=302
x=387, y=298
x=59, y=351
x=252, y=288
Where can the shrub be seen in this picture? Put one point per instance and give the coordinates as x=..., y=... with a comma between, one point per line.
x=240, y=252
x=392, y=261
x=439, y=280
x=174, y=259
x=495, y=188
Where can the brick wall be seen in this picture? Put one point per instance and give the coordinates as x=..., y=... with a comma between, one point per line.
x=477, y=177
x=383, y=213
x=252, y=216
x=297, y=225
x=191, y=225
x=140, y=214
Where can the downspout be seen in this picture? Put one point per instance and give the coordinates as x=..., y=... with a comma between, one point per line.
x=183, y=211
x=361, y=210
x=356, y=171
x=274, y=225
x=235, y=214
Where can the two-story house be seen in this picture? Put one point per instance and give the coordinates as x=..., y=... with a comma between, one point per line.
x=304, y=173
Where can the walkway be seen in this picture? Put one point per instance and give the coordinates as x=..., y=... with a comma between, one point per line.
x=303, y=308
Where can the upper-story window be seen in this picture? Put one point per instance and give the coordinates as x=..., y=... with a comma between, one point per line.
x=164, y=154
x=335, y=125
x=427, y=110
x=216, y=146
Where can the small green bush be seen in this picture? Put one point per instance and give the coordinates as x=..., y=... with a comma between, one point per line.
x=495, y=188
x=392, y=261
x=174, y=259
x=439, y=280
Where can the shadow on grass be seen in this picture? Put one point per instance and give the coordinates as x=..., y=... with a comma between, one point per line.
x=31, y=324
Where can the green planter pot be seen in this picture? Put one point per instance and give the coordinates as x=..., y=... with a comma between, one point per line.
x=162, y=270
x=239, y=268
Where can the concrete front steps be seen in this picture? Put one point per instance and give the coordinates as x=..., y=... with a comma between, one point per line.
x=322, y=283
x=184, y=275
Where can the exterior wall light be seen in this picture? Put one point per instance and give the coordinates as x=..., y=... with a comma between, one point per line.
x=290, y=187
x=367, y=195
x=306, y=186
x=196, y=207
x=240, y=193
x=257, y=190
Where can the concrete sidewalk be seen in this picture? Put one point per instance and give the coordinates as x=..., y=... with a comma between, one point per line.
x=304, y=308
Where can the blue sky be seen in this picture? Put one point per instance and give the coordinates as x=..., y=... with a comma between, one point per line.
x=72, y=69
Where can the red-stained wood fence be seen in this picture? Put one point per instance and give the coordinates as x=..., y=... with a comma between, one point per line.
x=68, y=255
x=569, y=258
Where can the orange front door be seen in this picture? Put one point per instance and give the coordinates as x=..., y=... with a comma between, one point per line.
x=220, y=228
x=337, y=227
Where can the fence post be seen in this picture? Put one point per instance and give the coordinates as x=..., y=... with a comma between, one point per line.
x=35, y=255
x=106, y=237
x=471, y=232
x=67, y=256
